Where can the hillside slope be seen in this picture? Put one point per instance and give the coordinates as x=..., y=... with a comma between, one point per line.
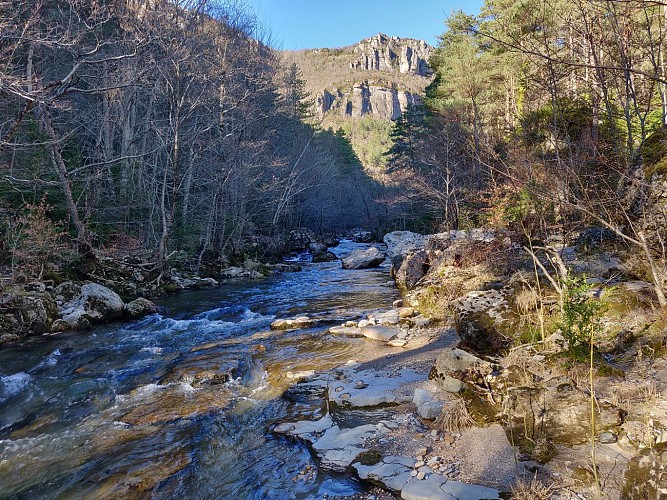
x=363, y=87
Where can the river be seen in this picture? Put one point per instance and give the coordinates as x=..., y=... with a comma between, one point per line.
x=143, y=409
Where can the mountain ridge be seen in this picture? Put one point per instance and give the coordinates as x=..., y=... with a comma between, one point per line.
x=379, y=76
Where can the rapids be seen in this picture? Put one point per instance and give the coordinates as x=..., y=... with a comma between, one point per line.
x=179, y=404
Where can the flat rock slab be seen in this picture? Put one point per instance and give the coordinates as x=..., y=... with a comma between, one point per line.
x=392, y=472
x=336, y=448
x=348, y=331
x=308, y=430
x=371, y=388
x=379, y=332
x=436, y=487
x=292, y=323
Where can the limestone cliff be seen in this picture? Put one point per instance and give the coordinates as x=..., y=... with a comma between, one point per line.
x=364, y=99
x=378, y=77
x=391, y=54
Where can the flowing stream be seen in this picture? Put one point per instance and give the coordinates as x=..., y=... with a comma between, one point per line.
x=146, y=409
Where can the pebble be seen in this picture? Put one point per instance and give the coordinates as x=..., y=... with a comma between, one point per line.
x=398, y=303
x=338, y=389
x=422, y=451
x=434, y=433
x=419, y=464
x=608, y=438
x=449, y=440
x=421, y=475
x=360, y=384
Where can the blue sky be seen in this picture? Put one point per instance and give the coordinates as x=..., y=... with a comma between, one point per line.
x=300, y=24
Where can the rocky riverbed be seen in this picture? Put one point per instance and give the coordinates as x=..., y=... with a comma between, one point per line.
x=325, y=383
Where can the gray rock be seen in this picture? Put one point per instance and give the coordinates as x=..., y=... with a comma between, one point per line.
x=379, y=332
x=140, y=307
x=400, y=243
x=348, y=331
x=607, y=438
x=378, y=388
x=363, y=258
x=452, y=367
x=35, y=312
x=240, y=272
x=292, y=323
x=427, y=406
x=412, y=268
x=436, y=487
x=390, y=317
x=392, y=472
x=94, y=304
x=338, y=448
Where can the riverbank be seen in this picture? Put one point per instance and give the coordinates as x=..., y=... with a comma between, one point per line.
x=508, y=412
x=362, y=390
x=115, y=286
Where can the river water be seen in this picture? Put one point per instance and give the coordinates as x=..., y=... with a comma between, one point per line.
x=143, y=409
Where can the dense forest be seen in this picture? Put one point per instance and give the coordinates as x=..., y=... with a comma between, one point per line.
x=546, y=117
x=158, y=126
x=163, y=127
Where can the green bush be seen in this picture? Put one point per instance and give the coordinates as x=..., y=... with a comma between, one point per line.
x=580, y=316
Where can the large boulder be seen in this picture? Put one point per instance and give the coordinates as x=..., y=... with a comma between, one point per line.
x=412, y=269
x=94, y=303
x=453, y=368
x=27, y=312
x=363, y=258
x=400, y=243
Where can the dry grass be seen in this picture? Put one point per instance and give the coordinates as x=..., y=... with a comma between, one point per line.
x=526, y=300
x=523, y=359
x=531, y=491
x=629, y=396
x=454, y=417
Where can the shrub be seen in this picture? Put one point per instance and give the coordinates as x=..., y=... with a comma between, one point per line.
x=580, y=316
x=37, y=244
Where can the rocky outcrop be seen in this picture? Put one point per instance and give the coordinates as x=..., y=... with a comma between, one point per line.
x=363, y=258
x=392, y=54
x=453, y=368
x=93, y=303
x=367, y=99
x=26, y=312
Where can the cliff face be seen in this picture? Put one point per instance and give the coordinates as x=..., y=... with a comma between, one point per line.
x=392, y=54
x=379, y=77
x=366, y=99
x=388, y=58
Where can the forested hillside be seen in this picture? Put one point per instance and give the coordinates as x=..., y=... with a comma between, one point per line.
x=155, y=127
x=546, y=117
